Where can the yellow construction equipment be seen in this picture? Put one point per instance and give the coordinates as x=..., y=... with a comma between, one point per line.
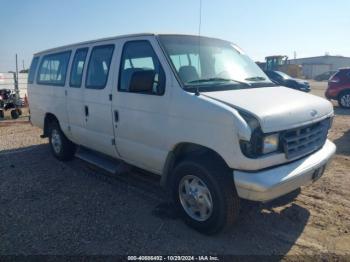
x=280, y=63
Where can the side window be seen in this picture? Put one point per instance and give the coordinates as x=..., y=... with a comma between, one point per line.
x=139, y=56
x=53, y=69
x=98, y=68
x=77, y=69
x=32, y=70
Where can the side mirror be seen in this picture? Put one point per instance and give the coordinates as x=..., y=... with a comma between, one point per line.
x=142, y=81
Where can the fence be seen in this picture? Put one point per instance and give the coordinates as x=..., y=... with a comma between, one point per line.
x=7, y=81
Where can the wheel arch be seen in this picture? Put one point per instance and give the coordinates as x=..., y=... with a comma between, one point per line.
x=49, y=118
x=346, y=90
x=179, y=152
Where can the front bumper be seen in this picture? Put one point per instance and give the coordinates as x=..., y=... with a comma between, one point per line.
x=269, y=184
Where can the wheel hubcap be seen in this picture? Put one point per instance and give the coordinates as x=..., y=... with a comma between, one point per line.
x=195, y=198
x=345, y=100
x=56, y=141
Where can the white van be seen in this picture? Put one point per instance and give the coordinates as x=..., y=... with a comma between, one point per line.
x=194, y=110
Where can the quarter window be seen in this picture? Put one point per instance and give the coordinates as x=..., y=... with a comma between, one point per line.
x=98, y=68
x=32, y=70
x=53, y=69
x=78, y=67
x=140, y=56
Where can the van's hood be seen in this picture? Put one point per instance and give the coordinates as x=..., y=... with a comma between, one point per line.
x=277, y=108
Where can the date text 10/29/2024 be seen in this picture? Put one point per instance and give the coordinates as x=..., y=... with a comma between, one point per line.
x=173, y=258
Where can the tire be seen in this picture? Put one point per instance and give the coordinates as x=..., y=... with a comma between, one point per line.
x=344, y=99
x=217, y=178
x=61, y=147
x=14, y=114
x=2, y=115
x=19, y=111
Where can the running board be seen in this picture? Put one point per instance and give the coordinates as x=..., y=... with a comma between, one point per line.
x=102, y=161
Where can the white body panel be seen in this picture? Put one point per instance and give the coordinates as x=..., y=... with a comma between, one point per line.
x=149, y=127
x=281, y=108
x=99, y=131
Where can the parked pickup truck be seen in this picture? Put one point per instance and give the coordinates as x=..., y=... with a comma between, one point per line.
x=195, y=110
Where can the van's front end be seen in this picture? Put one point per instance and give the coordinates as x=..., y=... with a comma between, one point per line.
x=288, y=146
x=279, y=135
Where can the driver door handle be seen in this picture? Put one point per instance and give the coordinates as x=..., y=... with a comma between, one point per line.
x=116, y=116
x=86, y=108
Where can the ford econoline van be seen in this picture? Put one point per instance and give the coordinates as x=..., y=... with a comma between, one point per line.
x=195, y=110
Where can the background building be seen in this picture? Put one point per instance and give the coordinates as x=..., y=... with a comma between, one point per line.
x=313, y=66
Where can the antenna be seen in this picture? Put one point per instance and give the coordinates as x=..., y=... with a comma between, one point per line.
x=200, y=18
x=199, y=39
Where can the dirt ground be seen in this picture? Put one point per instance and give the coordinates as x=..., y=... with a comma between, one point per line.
x=50, y=207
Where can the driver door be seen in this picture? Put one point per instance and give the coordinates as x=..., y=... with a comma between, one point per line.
x=139, y=117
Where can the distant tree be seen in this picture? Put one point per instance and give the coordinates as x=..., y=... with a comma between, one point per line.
x=24, y=71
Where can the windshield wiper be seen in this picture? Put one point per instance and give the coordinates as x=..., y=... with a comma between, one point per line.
x=213, y=79
x=255, y=78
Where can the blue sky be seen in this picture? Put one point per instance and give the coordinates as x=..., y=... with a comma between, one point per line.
x=260, y=27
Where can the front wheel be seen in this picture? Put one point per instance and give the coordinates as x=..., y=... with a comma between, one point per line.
x=344, y=99
x=204, y=193
x=61, y=147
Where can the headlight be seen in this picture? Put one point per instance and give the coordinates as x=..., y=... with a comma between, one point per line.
x=252, y=122
x=259, y=144
x=270, y=143
x=253, y=147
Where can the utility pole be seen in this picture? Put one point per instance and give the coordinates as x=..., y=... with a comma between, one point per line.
x=23, y=64
x=16, y=80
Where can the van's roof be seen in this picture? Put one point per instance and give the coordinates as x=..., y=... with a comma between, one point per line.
x=91, y=41
x=109, y=38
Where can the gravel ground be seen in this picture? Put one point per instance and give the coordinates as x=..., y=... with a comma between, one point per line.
x=50, y=207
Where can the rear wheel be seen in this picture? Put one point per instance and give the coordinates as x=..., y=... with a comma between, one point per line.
x=344, y=99
x=204, y=193
x=61, y=147
x=14, y=114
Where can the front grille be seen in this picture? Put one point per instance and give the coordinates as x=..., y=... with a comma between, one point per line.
x=304, y=140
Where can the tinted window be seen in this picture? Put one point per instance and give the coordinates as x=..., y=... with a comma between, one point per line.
x=98, y=69
x=139, y=56
x=76, y=73
x=32, y=70
x=53, y=69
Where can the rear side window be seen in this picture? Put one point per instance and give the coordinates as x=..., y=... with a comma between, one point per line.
x=32, y=70
x=77, y=68
x=98, y=68
x=53, y=69
x=140, y=56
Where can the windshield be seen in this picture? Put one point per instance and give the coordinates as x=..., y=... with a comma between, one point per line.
x=202, y=61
